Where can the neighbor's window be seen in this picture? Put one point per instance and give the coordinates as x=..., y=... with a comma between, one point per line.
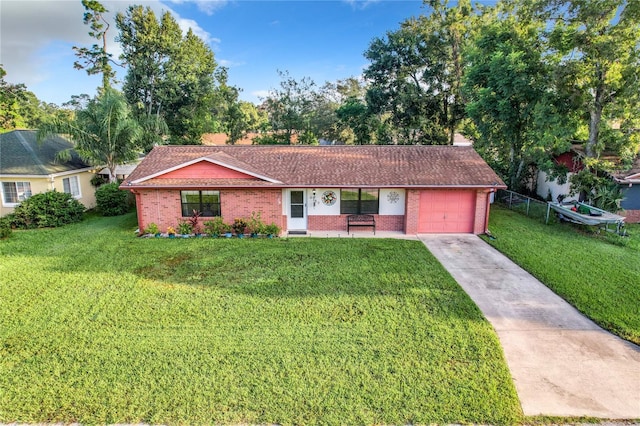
x=15, y=192
x=359, y=201
x=71, y=186
x=206, y=202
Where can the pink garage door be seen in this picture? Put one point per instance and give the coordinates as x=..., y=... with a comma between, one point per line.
x=446, y=211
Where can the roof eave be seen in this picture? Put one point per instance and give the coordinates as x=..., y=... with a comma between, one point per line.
x=47, y=175
x=133, y=185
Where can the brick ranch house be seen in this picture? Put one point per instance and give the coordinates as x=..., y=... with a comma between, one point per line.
x=412, y=189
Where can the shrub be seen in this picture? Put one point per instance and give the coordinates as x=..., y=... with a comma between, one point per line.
x=5, y=228
x=255, y=224
x=272, y=229
x=239, y=225
x=48, y=209
x=184, y=228
x=152, y=229
x=111, y=200
x=194, y=221
x=216, y=226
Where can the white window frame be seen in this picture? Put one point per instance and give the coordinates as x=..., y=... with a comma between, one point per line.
x=22, y=193
x=69, y=181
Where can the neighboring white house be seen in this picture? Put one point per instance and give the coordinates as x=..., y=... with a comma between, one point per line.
x=122, y=170
x=546, y=186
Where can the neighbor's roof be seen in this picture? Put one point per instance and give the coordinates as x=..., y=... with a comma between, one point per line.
x=222, y=138
x=631, y=175
x=306, y=166
x=21, y=154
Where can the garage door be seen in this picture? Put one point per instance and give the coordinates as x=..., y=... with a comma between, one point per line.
x=446, y=211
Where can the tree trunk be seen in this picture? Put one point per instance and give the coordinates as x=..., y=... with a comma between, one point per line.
x=518, y=176
x=512, y=177
x=457, y=67
x=105, y=59
x=595, y=115
x=112, y=174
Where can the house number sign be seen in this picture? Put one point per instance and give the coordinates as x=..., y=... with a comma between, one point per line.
x=329, y=198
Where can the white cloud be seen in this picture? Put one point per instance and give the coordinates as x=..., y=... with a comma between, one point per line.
x=26, y=28
x=360, y=4
x=261, y=93
x=210, y=6
x=185, y=24
x=229, y=63
x=207, y=6
x=36, y=37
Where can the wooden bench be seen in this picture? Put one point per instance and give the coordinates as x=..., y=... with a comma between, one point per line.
x=361, y=220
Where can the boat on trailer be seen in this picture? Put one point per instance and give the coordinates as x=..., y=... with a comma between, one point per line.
x=585, y=214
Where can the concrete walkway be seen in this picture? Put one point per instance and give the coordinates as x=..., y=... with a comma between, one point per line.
x=562, y=363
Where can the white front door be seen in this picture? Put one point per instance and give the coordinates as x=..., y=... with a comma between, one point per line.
x=297, y=210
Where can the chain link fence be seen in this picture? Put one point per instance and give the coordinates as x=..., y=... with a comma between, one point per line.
x=522, y=204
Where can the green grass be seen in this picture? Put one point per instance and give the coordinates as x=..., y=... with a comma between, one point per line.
x=97, y=326
x=599, y=274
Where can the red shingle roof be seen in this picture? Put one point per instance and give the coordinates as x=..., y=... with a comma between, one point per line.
x=339, y=166
x=222, y=138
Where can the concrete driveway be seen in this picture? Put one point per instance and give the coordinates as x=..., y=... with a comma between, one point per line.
x=562, y=363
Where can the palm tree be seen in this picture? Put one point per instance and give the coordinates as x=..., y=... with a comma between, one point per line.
x=104, y=133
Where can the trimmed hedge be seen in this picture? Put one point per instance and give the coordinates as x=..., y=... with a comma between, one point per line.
x=111, y=200
x=48, y=209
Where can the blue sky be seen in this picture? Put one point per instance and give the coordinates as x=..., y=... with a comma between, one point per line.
x=323, y=40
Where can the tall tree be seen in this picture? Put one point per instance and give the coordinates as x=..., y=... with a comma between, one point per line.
x=235, y=117
x=453, y=26
x=169, y=75
x=415, y=74
x=104, y=133
x=189, y=91
x=324, y=121
x=147, y=46
x=11, y=97
x=355, y=120
x=598, y=44
x=20, y=108
x=356, y=117
x=290, y=109
x=227, y=108
x=506, y=82
x=96, y=59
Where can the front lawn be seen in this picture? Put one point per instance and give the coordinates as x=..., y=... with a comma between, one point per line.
x=598, y=274
x=97, y=326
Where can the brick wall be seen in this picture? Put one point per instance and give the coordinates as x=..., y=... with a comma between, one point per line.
x=412, y=211
x=632, y=216
x=481, y=220
x=339, y=223
x=163, y=208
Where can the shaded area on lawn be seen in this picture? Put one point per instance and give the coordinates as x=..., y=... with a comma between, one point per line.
x=97, y=326
x=599, y=274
